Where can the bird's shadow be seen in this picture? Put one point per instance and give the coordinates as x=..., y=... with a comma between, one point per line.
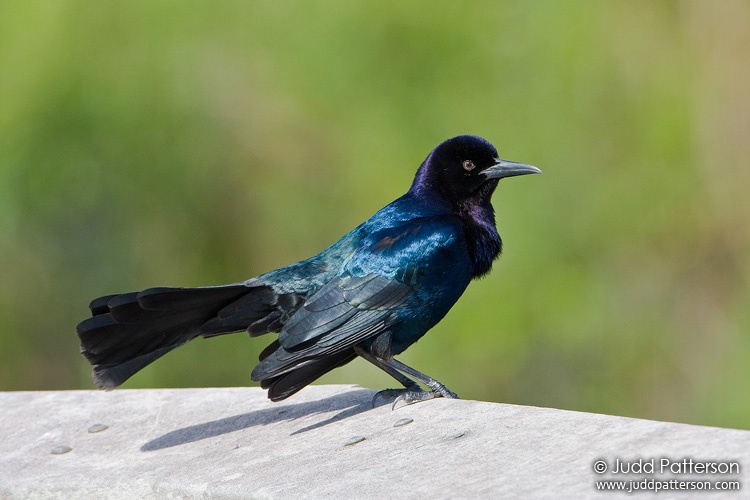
x=350, y=403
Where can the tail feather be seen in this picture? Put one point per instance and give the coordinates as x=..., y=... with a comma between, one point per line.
x=161, y=298
x=108, y=377
x=131, y=330
x=258, y=313
x=101, y=305
x=127, y=309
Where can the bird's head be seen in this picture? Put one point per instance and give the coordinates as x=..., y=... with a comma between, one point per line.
x=465, y=170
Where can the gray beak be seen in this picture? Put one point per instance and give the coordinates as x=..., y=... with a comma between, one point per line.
x=504, y=168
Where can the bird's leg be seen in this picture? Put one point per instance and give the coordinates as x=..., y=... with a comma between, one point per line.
x=387, y=394
x=412, y=392
x=437, y=388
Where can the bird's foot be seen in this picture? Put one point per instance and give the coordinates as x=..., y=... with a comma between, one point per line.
x=411, y=395
x=389, y=395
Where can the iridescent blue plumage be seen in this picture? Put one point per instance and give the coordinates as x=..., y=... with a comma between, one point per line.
x=373, y=293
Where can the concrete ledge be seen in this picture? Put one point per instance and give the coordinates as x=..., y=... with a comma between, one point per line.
x=234, y=443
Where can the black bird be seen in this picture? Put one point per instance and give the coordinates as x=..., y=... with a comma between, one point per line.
x=372, y=294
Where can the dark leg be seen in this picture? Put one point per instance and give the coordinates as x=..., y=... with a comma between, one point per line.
x=437, y=388
x=412, y=392
x=403, y=379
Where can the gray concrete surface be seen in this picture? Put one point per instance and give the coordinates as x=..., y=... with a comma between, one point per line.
x=234, y=443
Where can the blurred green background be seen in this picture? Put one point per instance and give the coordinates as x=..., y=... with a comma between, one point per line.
x=196, y=143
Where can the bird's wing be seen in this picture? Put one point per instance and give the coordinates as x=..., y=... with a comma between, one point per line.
x=382, y=275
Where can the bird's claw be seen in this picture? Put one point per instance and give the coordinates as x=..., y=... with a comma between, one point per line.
x=387, y=395
x=408, y=396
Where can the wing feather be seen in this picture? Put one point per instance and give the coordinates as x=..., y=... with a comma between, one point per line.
x=363, y=301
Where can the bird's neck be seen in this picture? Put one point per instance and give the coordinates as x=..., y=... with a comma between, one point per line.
x=481, y=234
x=478, y=221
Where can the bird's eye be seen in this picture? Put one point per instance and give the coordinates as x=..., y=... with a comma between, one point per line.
x=468, y=165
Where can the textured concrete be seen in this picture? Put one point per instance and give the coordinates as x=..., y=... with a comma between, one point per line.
x=234, y=443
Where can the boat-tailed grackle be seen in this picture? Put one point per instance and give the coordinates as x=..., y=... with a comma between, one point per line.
x=372, y=294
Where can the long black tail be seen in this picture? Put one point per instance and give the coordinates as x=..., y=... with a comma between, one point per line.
x=131, y=330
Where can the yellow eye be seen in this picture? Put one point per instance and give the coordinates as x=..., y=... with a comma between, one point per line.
x=468, y=165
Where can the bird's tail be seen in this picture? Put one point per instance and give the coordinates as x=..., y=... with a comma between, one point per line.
x=131, y=330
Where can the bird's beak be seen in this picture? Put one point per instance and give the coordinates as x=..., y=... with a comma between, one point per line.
x=504, y=168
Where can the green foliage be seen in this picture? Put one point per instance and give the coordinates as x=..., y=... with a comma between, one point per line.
x=171, y=143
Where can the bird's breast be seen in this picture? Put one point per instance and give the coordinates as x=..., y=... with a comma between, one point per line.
x=439, y=288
